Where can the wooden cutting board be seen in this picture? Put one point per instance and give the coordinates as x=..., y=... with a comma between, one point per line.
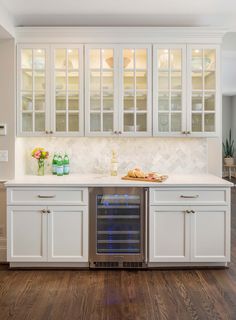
x=160, y=179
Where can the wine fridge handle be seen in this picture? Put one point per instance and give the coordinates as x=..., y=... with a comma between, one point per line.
x=146, y=223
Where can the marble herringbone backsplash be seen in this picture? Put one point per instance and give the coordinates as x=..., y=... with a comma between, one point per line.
x=93, y=155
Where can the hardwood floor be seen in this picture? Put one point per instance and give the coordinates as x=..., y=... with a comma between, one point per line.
x=121, y=295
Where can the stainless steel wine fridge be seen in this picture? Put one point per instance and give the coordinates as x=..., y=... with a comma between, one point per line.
x=118, y=227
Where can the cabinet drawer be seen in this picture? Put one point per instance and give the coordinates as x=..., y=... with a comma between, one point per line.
x=219, y=196
x=47, y=196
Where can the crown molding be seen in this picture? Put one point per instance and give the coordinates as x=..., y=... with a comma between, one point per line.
x=120, y=34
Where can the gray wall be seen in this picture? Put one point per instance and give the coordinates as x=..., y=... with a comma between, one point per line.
x=7, y=115
x=7, y=105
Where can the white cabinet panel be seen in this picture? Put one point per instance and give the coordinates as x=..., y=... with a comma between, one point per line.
x=169, y=235
x=27, y=234
x=210, y=234
x=68, y=234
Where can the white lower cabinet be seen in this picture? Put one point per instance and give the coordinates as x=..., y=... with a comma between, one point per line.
x=26, y=234
x=68, y=234
x=189, y=234
x=47, y=234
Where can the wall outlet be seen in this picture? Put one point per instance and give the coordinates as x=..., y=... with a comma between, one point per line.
x=3, y=155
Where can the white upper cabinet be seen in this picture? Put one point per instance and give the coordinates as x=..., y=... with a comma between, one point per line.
x=101, y=90
x=33, y=89
x=169, y=89
x=135, y=90
x=117, y=90
x=50, y=90
x=67, y=93
x=203, y=89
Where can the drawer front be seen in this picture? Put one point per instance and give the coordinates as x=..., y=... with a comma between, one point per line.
x=219, y=196
x=47, y=196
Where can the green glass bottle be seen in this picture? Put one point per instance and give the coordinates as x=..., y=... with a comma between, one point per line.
x=66, y=164
x=59, y=165
x=54, y=164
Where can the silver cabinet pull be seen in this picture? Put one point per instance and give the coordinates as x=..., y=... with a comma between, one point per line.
x=43, y=211
x=146, y=224
x=119, y=132
x=115, y=132
x=48, y=211
x=184, y=132
x=189, y=197
x=188, y=132
x=192, y=211
x=46, y=197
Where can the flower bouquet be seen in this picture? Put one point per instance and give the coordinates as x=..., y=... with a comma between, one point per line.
x=41, y=155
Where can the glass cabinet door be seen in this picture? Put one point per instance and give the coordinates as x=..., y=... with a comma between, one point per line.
x=100, y=78
x=203, y=90
x=32, y=90
x=135, y=98
x=68, y=90
x=169, y=116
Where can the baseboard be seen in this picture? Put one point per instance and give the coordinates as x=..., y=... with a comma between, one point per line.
x=3, y=249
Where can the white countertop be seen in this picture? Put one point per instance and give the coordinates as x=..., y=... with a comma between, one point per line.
x=92, y=180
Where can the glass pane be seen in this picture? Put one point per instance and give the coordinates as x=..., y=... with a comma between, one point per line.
x=73, y=101
x=163, y=122
x=129, y=101
x=128, y=80
x=39, y=80
x=60, y=101
x=163, y=80
x=128, y=58
x=39, y=59
x=129, y=122
x=26, y=58
x=107, y=80
x=197, y=81
x=27, y=102
x=210, y=80
x=141, y=80
x=60, y=58
x=197, y=104
x=95, y=122
x=27, y=83
x=108, y=103
x=73, y=58
x=176, y=122
x=209, y=59
x=176, y=101
x=163, y=101
x=95, y=80
x=176, y=59
x=209, y=122
x=73, y=122
x=108, y=122
x=163, y=59
x=27, y=122
x=176, y=80
x=39, y=122
x=209, y=101
x=39, y=102
x=95, y=101
x=141, y=100
x=94, y=59
x=60, y=122
x=197, y=122
x=107, y=59
x=60, y=80
x=141, y=58
x=73, y=81
x=197, y=60
x=141, y=122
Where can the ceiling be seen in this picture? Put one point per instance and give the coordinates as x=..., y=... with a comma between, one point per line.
x=122, y=12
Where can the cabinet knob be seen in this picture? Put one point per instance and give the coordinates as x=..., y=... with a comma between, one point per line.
x=119, y=132
x=115, y=132
x=188, y=211
x=192, y=211
x=46, y=132
x=51, y=132
x=184, y=132
x=43, y=211
x=188, y=132
x=48, y=211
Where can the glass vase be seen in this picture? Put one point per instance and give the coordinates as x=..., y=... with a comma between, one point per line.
x=41, y=167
